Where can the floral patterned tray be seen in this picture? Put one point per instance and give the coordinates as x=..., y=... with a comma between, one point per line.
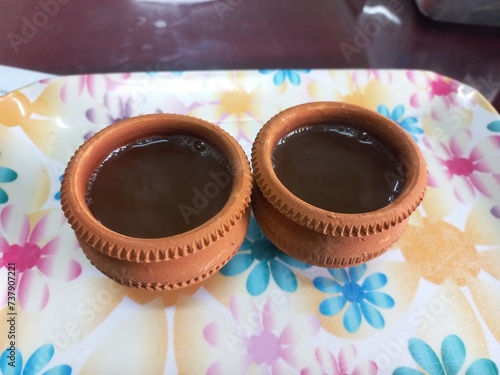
x=429, y=305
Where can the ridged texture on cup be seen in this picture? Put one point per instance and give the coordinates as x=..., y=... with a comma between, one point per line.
x=160, y=263
x=364, y=228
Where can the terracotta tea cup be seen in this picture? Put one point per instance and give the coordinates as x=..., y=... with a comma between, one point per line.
x=167, y=262
x=318, y=236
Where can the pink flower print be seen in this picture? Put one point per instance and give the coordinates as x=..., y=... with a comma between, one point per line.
x=468, y=168
x=37, y=253
x=266, y=339
x=442, y=93
x=116, y=108
x=94, y=84
x=344, y=364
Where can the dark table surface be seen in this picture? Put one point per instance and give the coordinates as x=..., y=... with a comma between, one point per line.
x=93, y=36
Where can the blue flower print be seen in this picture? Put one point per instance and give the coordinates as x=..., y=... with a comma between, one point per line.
x=157, y=70
x=361, y=298
x=6, y=175
x=452, y=359
x=494, y=126
x=35, y=364
x=57, y=196
x=280, y=76
x=407, y=123
x=268, y=260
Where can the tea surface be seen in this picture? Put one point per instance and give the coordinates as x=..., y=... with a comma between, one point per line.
x=159, y=187
x=338, y=168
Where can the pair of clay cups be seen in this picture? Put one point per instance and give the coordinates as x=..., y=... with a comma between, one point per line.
x=306, y=232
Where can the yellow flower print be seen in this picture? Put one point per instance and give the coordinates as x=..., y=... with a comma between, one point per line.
x=237, y=104
x=234, y=106
x=439, y=202
x=137, y=343
x=450, y=123
x=449, y=312
x=168, y=298
x=15, y=109
x=344, y=87
x=487, y=300
x=441, y=252
x=482, y=225
x=31, y=188
x=87, y=302
x=41, y=120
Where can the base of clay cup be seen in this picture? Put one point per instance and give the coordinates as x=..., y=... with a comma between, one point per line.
x=315, y=248
x=198, y=266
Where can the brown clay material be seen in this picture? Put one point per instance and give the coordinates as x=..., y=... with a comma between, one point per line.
x=322, y=237
x=160, y=263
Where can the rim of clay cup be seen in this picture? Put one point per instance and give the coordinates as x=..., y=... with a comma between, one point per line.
x=327, y=222
x=92, y=153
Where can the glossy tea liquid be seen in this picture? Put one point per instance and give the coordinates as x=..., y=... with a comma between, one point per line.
x=159, y=187
x=338, y=168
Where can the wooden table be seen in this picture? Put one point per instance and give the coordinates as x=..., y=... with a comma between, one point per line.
x=74, y=37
